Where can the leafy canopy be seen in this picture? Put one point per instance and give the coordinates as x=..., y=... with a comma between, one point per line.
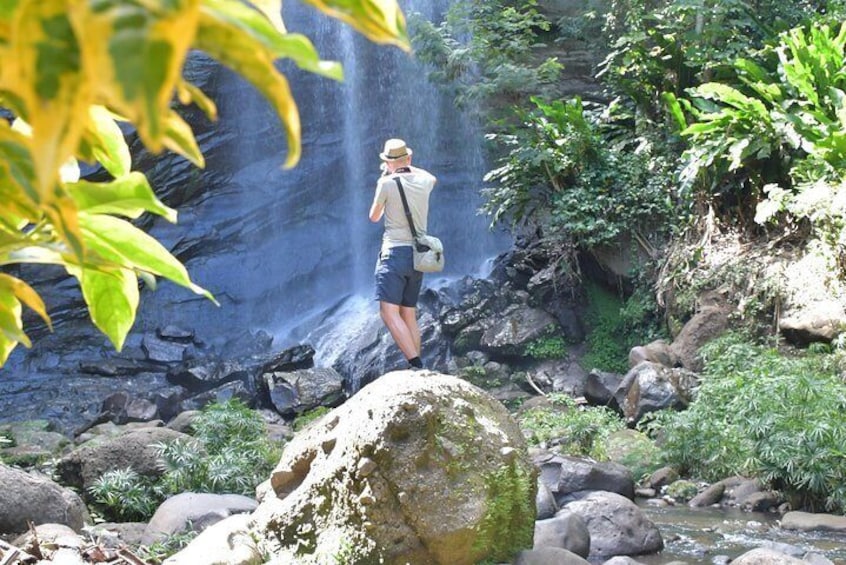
x=70, y=70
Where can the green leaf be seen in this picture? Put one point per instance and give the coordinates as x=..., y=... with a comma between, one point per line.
x=675, y=109
x=104, y=143
x=381, y=21
x=253, y=61
x=135, y=52
x=125, y=245
x=293, y=46
x=180, y=139
x=189, y=93
x=128, y=196
x=112, y=297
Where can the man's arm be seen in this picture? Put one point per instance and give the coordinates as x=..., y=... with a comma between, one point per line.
x=378, y=206
x=376, y=211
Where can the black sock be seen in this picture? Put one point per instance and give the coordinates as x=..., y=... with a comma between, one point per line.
x=416, y=362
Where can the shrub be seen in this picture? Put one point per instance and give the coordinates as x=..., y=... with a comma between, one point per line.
x=229, y=453
x=309, y=416
x=576, y=430
x=551, y=347
x=760, y=413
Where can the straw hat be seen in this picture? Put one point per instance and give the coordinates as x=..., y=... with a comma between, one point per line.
x=395, y=149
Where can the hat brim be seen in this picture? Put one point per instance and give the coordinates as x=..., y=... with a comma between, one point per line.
x=385, y=157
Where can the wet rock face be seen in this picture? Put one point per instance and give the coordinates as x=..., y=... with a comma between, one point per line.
x=417, y=467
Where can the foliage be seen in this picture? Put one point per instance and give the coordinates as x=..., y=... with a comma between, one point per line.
x=779, y=132
x=486, y=51
x=69, y=71
x=682, y=490
x=229, y=453
x=304, y=419
x=125, y=495
x=508, y=524
x=574, y=429
x=671, y=45
x=159, y=551
x=550, y=347
x=759, y=413
x=562, y=170
x=615, y=326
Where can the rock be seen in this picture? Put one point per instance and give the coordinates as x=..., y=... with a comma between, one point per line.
x=564, y=475
x=56, y=543
x=508, y=333
x=447, y=481
x=190, y=511
x=26, y=497
x=616, y=525
x=650, y=388
x=200, y=375
x=121, y=407
x=761, y=501
x=566, y=530
x=299, y=391
x=238, y=389
x=182, y=422
x=708, y=323
x=545, y=502
x=658, y=352
x=560, y=375
x=134, y=449
x=710, y=496
x=162, y=350
x=548, y=556
x=622, y=560
x=808, y=522
x=230, y=537
x=175, y=333
x=601, y=389
x=119, y=533
x=662, y=477
x=763, y=556
x=819, y=322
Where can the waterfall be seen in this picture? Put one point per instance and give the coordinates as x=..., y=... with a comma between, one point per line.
x=280, y=248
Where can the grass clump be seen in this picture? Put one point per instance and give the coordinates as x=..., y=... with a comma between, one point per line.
x=309, y=416
x=229, y=453
x=764, y=414
x=575, y=430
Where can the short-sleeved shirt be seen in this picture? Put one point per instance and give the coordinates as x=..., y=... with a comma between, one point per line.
x=418, y=184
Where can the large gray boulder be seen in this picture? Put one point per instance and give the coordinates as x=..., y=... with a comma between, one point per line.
x=616, y=525
x=295, y=392
x=418, y=467
x=508, y=333
x=25, y=497
x=765, y=556
x=134, y=449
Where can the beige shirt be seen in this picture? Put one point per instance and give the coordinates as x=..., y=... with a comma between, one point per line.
x=418, y=184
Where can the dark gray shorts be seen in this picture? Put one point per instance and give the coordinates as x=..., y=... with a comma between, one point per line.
x=396, y=280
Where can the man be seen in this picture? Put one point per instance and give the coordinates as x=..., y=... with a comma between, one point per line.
x=397, y=283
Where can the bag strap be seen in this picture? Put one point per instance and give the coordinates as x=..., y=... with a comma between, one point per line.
x=407, y=209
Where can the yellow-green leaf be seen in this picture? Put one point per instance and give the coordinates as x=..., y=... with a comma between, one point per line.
x=381, y=21
x=180, y=139
x=25, y=294
x=112, y=297
x=11, y=326
x=104, y=143
x=128, y=196
x=137, y=57
x=18, y=193
x=254, y=62
x=293, y=46
x=43, y=69
x=123, y=244
x=189, y=93
x=273, y=10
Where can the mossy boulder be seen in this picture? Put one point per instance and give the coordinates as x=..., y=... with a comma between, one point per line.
x=418, y=467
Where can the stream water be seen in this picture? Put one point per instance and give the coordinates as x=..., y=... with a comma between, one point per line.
x=714, y=536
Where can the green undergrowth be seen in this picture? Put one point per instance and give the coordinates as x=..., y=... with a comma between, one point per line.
x=228, y=453
x=573, y=429
x=764, y=413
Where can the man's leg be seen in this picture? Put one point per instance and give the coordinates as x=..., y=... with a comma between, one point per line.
x=401, y=333
x=409, y=316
